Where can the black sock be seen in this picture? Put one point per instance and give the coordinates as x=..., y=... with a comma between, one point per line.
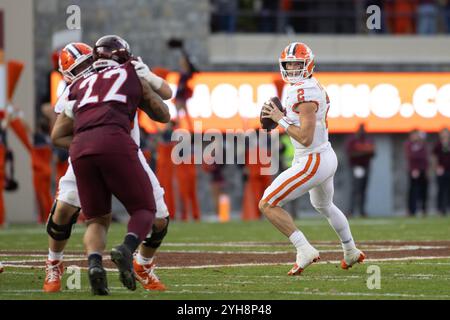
x=131, y=242
x=95, y=259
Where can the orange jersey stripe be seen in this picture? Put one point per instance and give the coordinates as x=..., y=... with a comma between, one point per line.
x=301, y=182
x=284, y=184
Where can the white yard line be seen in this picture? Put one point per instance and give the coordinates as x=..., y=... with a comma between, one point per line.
x=431, y=263
x=378, y=249
x=295, y=293
x=320, y=262
x=315, y=293
x=281, y=244
x=40, y=255
x=8, y=263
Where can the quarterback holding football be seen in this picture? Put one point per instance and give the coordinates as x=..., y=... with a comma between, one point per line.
x=315, y=163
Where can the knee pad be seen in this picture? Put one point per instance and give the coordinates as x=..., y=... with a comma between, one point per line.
x=60, y=232
x=155, y=239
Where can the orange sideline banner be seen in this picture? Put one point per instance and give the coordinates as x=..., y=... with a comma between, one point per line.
x=385, y=102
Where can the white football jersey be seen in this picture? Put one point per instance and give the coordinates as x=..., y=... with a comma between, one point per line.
x=308, y=90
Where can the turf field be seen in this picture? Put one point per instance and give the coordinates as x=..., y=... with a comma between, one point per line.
x=238, y=260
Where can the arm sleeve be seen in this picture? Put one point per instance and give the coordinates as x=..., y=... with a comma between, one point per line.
x=63, y=98
x=68, y=108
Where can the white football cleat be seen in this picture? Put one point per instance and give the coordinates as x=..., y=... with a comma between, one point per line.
x=351, y=257
x=306, y=255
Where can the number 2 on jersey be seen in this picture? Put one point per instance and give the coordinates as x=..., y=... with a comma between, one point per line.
x=300, y=95
x=112, y=94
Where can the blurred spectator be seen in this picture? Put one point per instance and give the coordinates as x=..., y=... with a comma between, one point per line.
x=345, y=19
x=417, y=155
x=400, y=16
x=267, y=10
x=256, y=182
x=186, y=174
x=7, y=177
x=360, y=150
x=53, y=87
x=427, y=14
x=184, y=87
x=44, y=97
x=284, y=19
x=41, y=157
x=224, y=15
x=446, y=7
x=146, y=147
x=441, y=152
x=215, y=171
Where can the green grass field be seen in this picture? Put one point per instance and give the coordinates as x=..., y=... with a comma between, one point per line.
x=417, y=275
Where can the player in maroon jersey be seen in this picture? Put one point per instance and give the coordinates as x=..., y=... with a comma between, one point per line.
x=103, y=104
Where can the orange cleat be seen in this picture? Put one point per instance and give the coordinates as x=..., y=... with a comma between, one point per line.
x=296, y=270
x=145, y=274
x=352, y=257
x=54, y=271
x=305, y=257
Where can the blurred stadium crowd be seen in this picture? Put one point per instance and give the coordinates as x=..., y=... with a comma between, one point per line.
x=330, y=16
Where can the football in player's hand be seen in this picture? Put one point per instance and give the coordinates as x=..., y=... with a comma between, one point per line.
x=267, y=123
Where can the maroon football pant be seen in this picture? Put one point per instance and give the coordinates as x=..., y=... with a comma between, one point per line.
x=122, y=175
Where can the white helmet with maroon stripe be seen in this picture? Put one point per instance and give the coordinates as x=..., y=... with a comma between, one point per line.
x=297, y=52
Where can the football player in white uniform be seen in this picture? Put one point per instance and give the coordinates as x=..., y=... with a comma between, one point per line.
x=75, y=61
x=314, y=164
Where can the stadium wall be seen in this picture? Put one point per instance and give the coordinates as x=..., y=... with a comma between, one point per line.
x=146, y=25
x=264, y=49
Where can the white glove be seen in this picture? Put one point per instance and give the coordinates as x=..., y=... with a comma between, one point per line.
x=143, y=72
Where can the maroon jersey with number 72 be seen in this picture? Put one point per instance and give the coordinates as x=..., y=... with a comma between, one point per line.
x=106, y=103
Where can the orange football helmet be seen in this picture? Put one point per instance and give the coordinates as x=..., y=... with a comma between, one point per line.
x=75, y=60
x=297, y=52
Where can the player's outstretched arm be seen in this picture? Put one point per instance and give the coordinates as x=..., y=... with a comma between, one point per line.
x=165, y=92
x=158, y=84
x=62, y=133
x=153, y=105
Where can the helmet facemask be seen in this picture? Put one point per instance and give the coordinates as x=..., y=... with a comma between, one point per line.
x=82, y=66
x=298, y=74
